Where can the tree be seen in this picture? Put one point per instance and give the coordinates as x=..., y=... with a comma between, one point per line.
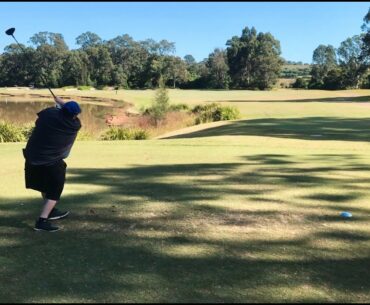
x=192, y=67
x=156, y=65
x=50, y=54
x=49, y=66
x=100, y=65
x=174, y=70
x=189, y=59
x=240, y=54
x=161, y=48
x=88, y=39
x=300, y=83
x=218, y=69
x=267, y=61
x=76, y=69
x=132, y=57
x=353, y=65
x=254, y=60
x=198, y=76
x=17, y=67
x=55, y=40
x=324, y=59
x=333, y=80
x=160, y=103
x=119, y=77
x=366, y=36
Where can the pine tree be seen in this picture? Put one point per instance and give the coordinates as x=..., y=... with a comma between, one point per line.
x=161, y=103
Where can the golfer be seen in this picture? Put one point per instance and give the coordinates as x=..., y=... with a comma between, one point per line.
x=51, y=141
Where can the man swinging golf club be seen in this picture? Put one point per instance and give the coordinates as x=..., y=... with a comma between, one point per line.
x=51, y=141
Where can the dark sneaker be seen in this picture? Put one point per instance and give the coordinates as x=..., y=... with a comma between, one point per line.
x=44, y=225
x=56, y=214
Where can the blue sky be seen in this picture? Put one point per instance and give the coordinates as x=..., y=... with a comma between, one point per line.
x=195, y=27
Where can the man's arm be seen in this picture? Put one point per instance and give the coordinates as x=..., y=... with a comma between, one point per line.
x=59, y=102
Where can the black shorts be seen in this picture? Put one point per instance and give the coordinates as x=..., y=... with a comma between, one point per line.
x=48, y=179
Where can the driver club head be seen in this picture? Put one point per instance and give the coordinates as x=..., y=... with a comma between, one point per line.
x=10, y=31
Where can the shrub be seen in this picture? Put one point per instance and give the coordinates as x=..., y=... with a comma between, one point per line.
x=230, y=113
x=84, y=136
x=27, y=129
x=117, y=133
x=179, y=107
x=207, y=113
x=215, y=112
x=300, y=83
x=141, y=134
x=10, y=133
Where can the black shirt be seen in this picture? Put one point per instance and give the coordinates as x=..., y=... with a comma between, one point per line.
x=52, y=137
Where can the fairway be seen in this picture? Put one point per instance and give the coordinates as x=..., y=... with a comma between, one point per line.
x=242, y=211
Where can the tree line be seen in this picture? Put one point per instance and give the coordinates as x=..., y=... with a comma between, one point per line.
x=249, y=61
x=345, y=67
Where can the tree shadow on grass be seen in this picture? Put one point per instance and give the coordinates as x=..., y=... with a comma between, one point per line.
x=117, y=246
x=308, y=128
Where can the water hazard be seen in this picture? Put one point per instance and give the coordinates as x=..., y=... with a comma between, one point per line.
x=16, y=112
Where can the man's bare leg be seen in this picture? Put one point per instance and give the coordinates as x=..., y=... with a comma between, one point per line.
x=42, y=223
x=55, y=215
x=48, y=206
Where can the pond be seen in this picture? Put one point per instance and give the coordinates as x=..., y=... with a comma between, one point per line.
x=16, y=112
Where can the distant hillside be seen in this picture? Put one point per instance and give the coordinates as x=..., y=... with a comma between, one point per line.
x=295, y=69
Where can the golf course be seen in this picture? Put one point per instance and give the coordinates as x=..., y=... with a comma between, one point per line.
x=246, y=210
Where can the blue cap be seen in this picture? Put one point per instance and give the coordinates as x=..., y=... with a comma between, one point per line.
x=72, y=107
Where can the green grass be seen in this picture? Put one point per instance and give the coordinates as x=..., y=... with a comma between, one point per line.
x=241, y=211
x=223, y=219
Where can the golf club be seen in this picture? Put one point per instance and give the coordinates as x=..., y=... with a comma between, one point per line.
x=10, y=32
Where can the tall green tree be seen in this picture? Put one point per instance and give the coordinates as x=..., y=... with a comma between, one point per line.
x=353, y=65
x=189, y=59
x=324, y=59
x=156, y=65
x=76, y=69
x=101, y=65
x=191, y=67
x=88, y=39
x=267, y=61
x=17, y=67
x=254, y=59
x=174, y=70
x=218, y=70
x=119, y=77
x=161, y=103
x=366, y=36
x=132, y=57
x=51, y=51
x=55, y=40
x=49, y=66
